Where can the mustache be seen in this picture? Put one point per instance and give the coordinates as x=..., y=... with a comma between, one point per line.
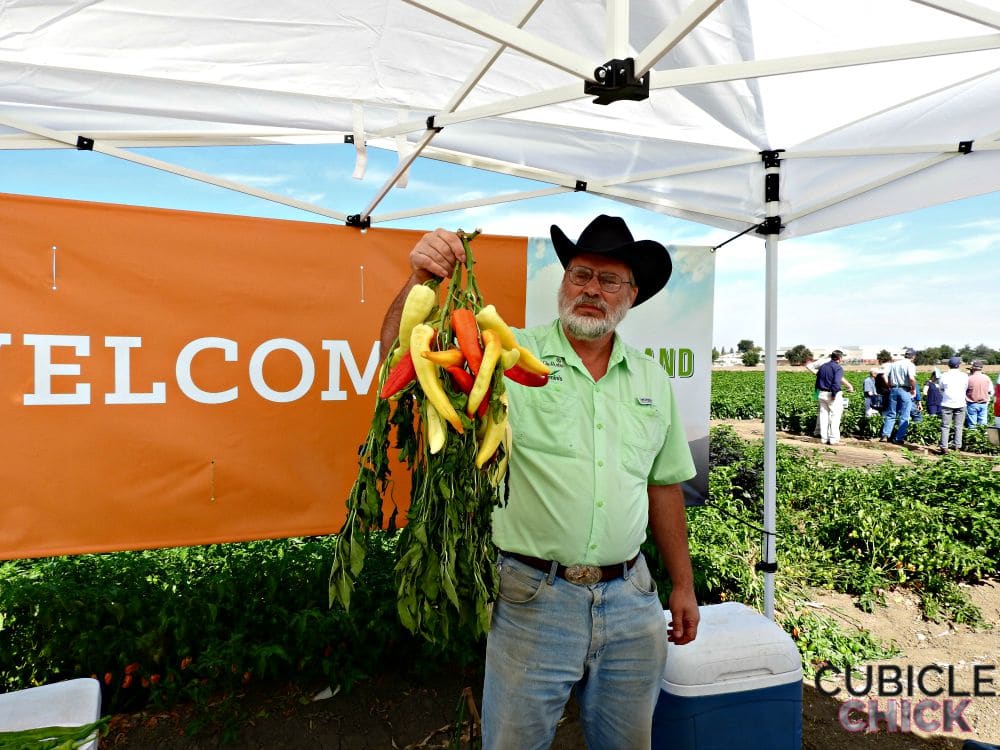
x=591, y=300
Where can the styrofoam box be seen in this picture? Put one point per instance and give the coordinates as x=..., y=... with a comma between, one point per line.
x=60, y=704
x=738, y=684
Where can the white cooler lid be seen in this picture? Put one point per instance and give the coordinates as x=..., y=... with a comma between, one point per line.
x=737, y=649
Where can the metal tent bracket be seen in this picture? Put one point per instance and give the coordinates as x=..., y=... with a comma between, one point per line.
x=616, y=80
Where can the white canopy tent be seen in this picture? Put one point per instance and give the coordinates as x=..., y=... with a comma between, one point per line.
x=780, y=116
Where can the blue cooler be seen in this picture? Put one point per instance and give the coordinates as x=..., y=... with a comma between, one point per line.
x=738, y=685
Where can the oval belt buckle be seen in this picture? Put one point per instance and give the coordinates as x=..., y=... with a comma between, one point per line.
x=583, y=575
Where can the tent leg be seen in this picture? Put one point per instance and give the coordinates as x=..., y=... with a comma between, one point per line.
x=769, y=558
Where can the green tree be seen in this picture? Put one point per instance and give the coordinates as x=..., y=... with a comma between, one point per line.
x=883, y=356
x=715, y=354
x=798, y=355
x=751, y=358
x=745, y=345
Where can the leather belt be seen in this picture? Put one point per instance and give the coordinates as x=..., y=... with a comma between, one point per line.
x=581, y=575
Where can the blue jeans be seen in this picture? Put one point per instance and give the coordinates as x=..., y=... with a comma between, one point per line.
x=974, y=414
x=900, y=403
x=549, y=637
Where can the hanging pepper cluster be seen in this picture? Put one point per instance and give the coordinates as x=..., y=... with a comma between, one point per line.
x=442, y=391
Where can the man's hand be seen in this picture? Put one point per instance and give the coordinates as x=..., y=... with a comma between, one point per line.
x=684, y=617
x=435, y=255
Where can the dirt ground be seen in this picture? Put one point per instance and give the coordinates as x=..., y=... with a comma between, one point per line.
x=396, y=713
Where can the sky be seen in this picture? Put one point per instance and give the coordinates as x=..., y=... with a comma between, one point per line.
x=920, y=279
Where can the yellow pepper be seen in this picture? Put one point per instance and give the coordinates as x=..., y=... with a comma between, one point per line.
x=509, y=358
x=420, y=301
x=530, y=362
x=491, y=355
x=493, y=435
x=427, y=375
x=446, y=357
x=437, y=432
x=489, y=320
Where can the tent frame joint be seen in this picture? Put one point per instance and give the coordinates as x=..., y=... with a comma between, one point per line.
x=432, y=126
x=965, y=147
x=766, y=567
x=581, y=186
x=770, y=225
x=772, y=158
x=355, y=220
x=615, y=80
x=83, y=143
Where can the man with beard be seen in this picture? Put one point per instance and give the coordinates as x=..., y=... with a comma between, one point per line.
x=598, y=455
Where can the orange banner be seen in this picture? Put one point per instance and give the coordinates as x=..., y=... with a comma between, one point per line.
x=173, y=378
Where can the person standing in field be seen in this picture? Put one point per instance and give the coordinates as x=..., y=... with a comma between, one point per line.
x=954, y=384
x=977, y=396
x=831, y=400
x=902, y=376
x=932, y=394
x=873, y=399
x=598, y=456
x=813, y=366
x=996, y=403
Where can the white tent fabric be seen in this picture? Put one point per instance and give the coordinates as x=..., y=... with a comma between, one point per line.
x=873, y=108
x=868, y=102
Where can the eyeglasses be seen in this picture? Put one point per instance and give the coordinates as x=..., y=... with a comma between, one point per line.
x=581, y=276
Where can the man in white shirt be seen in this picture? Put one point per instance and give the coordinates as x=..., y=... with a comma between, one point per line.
x=953, y=385
x=902, y=376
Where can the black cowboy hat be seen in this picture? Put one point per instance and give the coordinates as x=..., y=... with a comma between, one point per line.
x=609, y=235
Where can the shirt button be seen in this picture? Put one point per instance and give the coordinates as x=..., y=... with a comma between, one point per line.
x=600, y=463
x=600, y=503
x=600, y=425
x=593, y=546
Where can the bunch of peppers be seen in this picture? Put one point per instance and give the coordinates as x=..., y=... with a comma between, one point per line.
x=442, y=389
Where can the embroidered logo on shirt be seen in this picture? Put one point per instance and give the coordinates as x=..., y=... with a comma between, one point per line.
x=555, y=364
x=644, y=401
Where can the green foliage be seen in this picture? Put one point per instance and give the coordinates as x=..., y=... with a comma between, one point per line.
x=821, y=640
x=198, y=623
x=190, y=623
x=928, y=525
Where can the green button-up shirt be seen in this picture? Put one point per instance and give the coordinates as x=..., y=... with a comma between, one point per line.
x=584, y=452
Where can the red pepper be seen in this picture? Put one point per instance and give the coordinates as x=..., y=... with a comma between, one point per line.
x=399, y=377
x=464, y=381
x=519, y=375
x=463, y=323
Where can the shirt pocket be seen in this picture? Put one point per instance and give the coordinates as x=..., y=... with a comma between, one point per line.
x=644, y=428
x=546, y=420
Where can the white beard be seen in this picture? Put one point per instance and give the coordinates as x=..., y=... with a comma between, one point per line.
x=584, y=327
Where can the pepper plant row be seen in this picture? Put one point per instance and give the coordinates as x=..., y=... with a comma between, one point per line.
x=442, y=391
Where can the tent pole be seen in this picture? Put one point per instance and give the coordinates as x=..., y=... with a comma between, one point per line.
x=770, y=412
x=771, y=227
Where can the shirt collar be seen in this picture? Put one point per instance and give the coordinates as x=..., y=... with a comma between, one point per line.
x=555, y=344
